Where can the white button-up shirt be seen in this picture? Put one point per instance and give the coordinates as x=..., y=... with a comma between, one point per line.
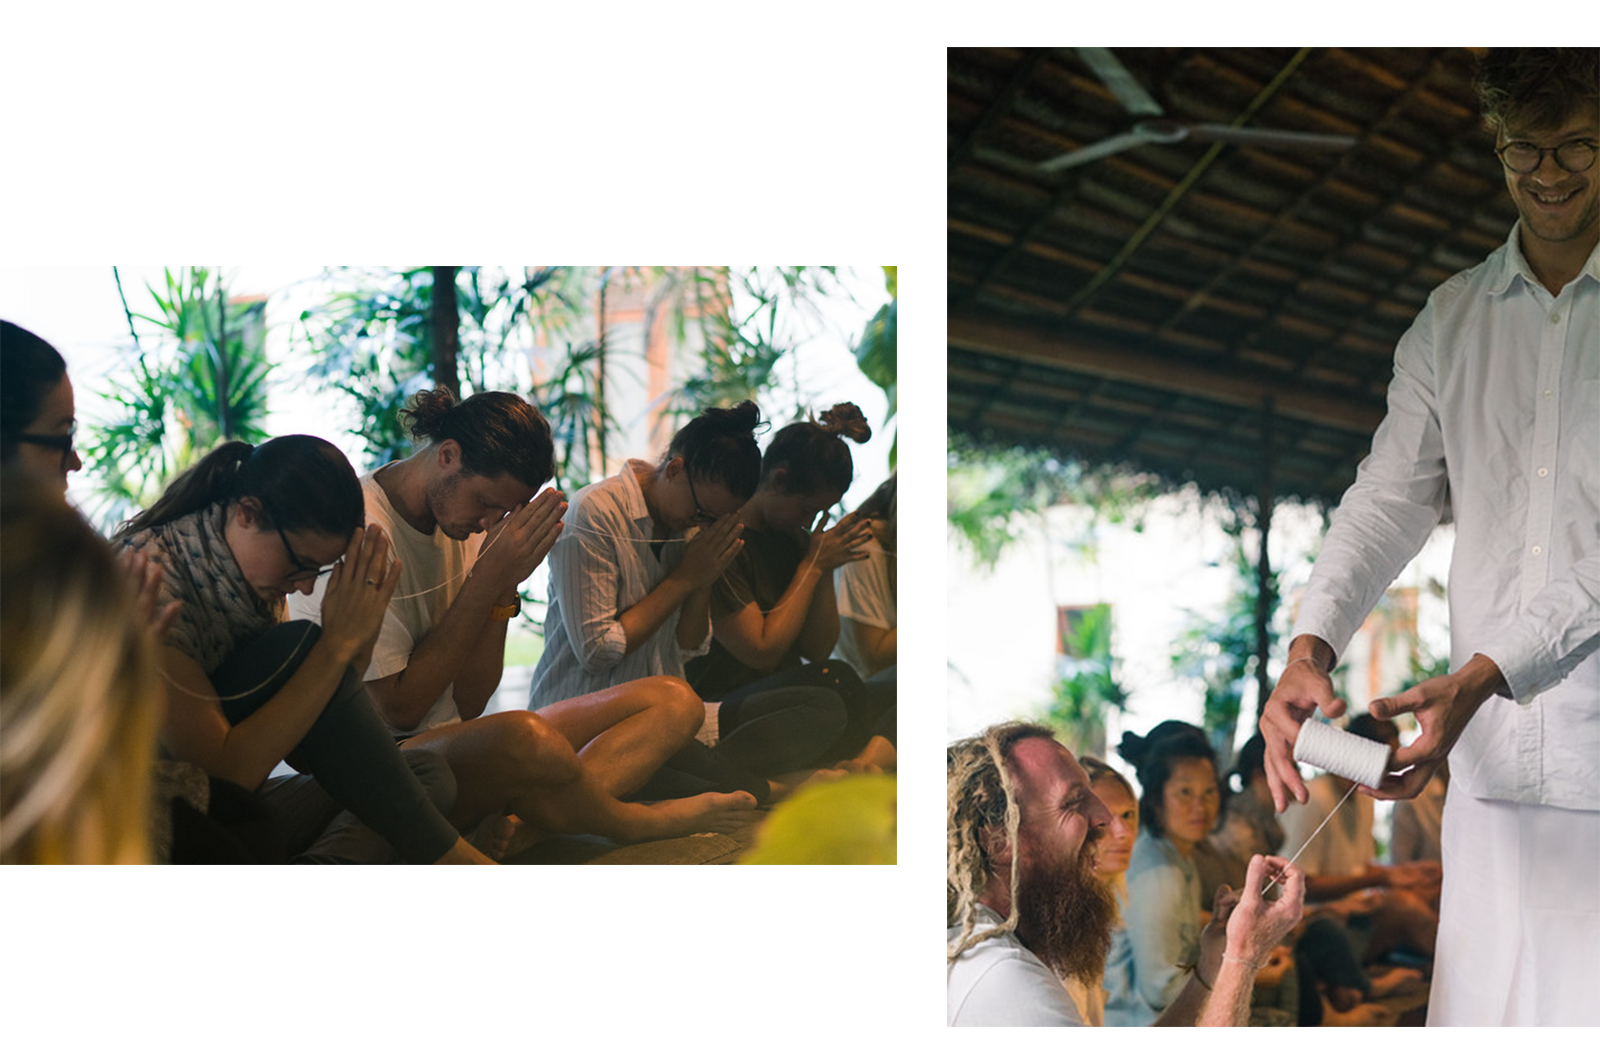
x=600, y=567
x=1495, y=404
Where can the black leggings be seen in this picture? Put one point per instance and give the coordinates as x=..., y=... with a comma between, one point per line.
x=767, y=733
x=810, y=716
x=869, y=707
x=348, y=750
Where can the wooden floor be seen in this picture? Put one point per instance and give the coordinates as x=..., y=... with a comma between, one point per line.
x=695, y=849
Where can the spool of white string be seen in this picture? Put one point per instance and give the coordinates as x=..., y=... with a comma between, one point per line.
x=1346, y=755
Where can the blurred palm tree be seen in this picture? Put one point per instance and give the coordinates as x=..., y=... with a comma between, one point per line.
x=198, y=376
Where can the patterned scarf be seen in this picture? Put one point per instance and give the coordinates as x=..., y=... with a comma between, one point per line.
x=221, y=612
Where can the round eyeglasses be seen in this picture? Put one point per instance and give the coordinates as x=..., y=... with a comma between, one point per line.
x=62, y=443
x=302, y=570
x=1573, y=156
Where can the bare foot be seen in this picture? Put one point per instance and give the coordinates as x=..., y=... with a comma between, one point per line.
x=1361, y=1015
x=493, y=836
x=1399, y=980
x=463, y=852
x=700, y=814
x=786, y=785
x=876, y=757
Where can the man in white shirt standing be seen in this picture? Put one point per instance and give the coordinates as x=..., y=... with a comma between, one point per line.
x=467, y=531
x=1495, y=407
x=1026, y=910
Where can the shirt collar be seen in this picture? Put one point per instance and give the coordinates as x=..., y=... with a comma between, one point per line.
x=1513, y=265
x=632, y=493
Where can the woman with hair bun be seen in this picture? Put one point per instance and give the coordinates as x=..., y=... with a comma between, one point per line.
x=235, y=535
x=774, y=612
x=1179, y=799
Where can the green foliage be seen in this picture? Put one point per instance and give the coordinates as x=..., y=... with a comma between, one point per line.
x=371, y=340
x=1219, y=648
x=877, y=354
x=1087, y=691
x=198, y=376
x=992, y=491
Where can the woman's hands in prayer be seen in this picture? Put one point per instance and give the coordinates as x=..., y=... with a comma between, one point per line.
x=358, y=594
x=710, y=551
x=841, y=544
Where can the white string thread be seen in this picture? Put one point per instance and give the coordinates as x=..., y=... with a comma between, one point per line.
x=1279, y=878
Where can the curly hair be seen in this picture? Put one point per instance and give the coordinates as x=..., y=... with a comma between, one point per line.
x=980, y=798
x=1535, y=88
x=498, y=432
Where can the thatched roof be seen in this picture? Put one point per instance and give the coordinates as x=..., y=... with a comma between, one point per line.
x=1147, y=307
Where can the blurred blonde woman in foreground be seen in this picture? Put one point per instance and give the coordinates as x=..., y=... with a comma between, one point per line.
x=80, y=700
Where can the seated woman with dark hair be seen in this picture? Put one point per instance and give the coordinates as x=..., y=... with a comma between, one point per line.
x=1178, y=804
x=630, y=589
x=235, y=535
x=774, y=614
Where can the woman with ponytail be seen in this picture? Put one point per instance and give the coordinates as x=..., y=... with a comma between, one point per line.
x=774, y=612
x=234, y=536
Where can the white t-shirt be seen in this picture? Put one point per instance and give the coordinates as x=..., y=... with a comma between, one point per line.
x=865, y=591
x=433, y=568
x=998, y=982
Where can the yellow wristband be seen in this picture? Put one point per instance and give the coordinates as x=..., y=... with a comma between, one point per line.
x=505, y=612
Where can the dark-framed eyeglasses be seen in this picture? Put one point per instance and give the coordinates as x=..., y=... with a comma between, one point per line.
x=701, y=515
x=1573, y=156
x=62, y=443
x=302, y=570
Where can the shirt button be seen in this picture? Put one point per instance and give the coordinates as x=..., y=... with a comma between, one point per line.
x=1537, y=550
x=1555, y=319
x=1547, y=393
x=1544, y=472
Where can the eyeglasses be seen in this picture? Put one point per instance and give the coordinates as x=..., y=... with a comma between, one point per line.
x=1573, y=156
x=62, y=443
x=301, y=569
x=701, y=516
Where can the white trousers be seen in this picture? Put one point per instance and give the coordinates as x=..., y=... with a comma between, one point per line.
x=1519, y=917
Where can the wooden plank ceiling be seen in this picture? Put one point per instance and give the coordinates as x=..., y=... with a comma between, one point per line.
x=1146, y=308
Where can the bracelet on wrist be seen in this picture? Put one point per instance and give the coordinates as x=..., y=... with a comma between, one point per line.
x=506, y=612
x=1243, y=963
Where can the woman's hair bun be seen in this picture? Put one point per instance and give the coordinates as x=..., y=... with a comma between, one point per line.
x=733, y=420
x=846, y=419
x=1132, y=748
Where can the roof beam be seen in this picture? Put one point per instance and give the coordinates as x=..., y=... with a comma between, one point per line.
x=1057, y=350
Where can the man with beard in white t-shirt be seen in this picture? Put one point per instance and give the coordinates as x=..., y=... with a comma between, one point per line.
x=1025, y=909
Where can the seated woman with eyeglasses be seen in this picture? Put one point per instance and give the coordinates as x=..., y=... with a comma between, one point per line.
x=630, y=594
x=235, y=535
x=37, y=413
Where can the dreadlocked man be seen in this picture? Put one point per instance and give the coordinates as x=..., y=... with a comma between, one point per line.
x=1025, y=909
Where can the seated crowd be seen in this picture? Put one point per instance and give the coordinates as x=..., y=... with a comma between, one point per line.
x=274, y=608
x=1075, y=898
